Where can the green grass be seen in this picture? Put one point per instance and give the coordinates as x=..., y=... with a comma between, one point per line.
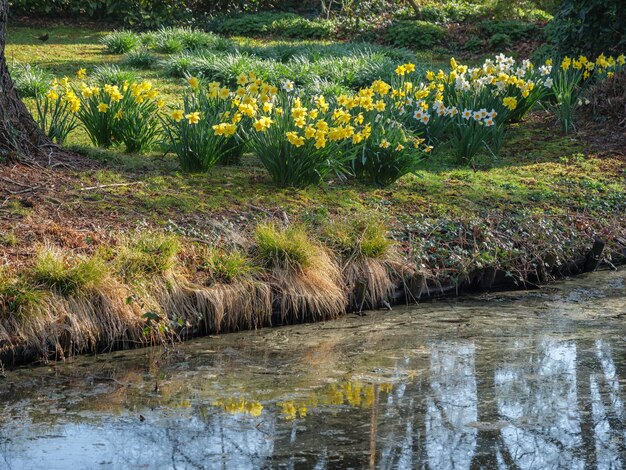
x=537, y=168
x=146, y=254
x=278, y=247
x=53, y=270
x=227, y=267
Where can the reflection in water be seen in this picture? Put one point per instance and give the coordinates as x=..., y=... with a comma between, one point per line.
x=537, y=394
x=451, y=406
x=525, y=384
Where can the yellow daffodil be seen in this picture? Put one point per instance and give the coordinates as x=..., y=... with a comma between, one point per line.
x=177, y=114
x=193, y=118
x=193, y=82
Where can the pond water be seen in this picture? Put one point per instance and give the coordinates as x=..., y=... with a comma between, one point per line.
x=526, y=380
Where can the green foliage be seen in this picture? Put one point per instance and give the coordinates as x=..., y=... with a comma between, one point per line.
x=147, y=254
x=120, y=42
x=500, y=41
x=112, y=75
x=276, y=24
x=451, y=12
x=589, y=26
x=53, y=270
x=473, y=44
x=516, y=30
x=290, y=247
x=298, y=162
x=414, y=34
x=140, y=59
x=29, y=80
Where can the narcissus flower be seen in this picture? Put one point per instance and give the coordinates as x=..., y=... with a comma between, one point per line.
x=193, y=82
x=103, y=107
x=510, y=102
x=193, y=118
x=177, y=114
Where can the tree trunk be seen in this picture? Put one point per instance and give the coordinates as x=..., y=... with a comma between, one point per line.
x=20, y=136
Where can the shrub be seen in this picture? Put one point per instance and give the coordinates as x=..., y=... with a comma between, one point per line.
x=414, y=34
x=473, y=44
x=120, y=42
x=140, y=59
x=500, y=41
x=54, y=271
x=29, y=80
x=450, y=12
x=589, y=26
x=516, y=30
x=275, y=24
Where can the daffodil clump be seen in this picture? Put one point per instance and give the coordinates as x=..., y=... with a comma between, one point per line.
x=569, y=78
x=386, y=148
x=469, y=107
x=204, y=129
x=56, y=110
x=113, y=113
x=299, y=139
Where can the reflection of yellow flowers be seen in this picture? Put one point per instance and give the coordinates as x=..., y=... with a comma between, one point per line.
x=193, y=118
x=236, y=406
x=103, y=107
x=288, y=409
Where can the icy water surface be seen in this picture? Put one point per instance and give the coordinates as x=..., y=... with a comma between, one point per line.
x=524, y=380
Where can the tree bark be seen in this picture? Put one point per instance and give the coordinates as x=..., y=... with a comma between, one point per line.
x=21, y=139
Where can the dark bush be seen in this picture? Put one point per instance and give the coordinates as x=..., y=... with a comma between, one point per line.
x=140, y=14
x=514, y=29
x=288, y=25
x=450, y=12
x=414, y=34
x=500, y=41
x=589, y=26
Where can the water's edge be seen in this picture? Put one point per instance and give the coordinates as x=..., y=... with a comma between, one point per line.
x=407, y=291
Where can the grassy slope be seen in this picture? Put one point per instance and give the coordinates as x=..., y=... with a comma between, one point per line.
x=545, y=197
x=539, y=171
